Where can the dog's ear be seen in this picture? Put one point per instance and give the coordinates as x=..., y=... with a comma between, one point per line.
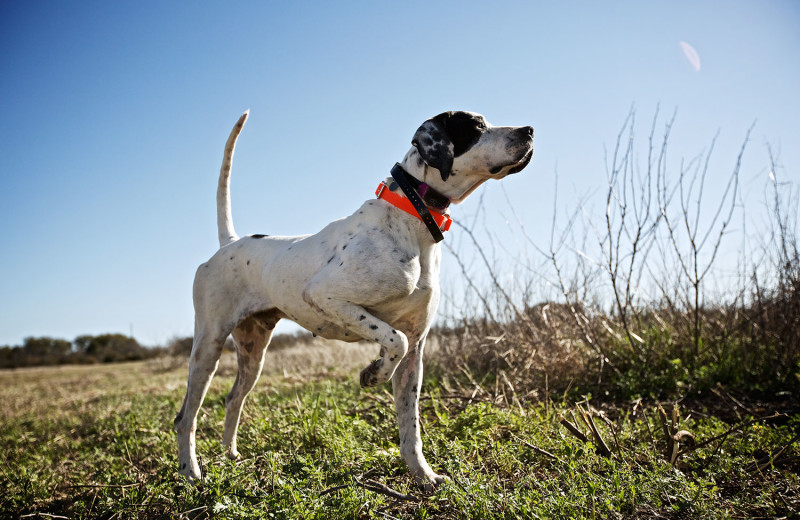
x=434, y=145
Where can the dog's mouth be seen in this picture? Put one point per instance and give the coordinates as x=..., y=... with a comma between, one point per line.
x=526, y=159
x=517, y=166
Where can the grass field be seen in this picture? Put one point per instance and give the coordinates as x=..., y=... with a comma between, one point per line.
x=97, y=442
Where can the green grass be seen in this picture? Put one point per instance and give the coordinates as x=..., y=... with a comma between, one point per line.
x=97, y=442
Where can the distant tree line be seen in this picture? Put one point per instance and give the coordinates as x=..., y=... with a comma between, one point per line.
x=105, y=348
x=112, y=348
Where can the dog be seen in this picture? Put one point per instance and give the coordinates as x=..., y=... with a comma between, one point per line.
x=371, y=276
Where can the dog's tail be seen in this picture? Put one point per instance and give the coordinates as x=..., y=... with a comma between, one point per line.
x=224, y=216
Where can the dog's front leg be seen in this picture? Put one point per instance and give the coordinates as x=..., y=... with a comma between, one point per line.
x=358, y=320
x=406, y=385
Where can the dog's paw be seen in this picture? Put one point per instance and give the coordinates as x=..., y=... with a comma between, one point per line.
x=232, y=454
x=429, y=483
x=369, y=376
x=192, y=473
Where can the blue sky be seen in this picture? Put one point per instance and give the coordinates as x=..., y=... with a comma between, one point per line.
x=114, y=116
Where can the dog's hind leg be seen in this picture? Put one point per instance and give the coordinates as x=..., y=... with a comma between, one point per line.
x=203, y=362
x=251, y=337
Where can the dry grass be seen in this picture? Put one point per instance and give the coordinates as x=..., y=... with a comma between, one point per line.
x=65, y=390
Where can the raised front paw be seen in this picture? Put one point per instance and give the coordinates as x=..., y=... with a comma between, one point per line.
x=369, y=376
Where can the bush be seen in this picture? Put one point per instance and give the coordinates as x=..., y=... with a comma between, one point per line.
x=633, y=314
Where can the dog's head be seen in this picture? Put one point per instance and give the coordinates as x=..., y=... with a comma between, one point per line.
x=464, y=143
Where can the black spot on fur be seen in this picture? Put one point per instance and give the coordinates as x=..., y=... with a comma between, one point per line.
x=394, y=331
x=341, y=264
x=344, y=247
x=331, y=259
x=361, y=317
x=373, y=327
x=258, y=236
x=248, y=262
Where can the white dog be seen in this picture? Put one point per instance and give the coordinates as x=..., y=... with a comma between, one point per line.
x=373, y=275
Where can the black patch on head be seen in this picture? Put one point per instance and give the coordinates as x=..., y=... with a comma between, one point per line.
x=464, y=130
x=442, y=138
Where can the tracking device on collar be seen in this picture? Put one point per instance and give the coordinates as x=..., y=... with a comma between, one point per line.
x=414, y=203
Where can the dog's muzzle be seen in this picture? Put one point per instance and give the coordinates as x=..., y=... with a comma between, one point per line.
x=527, y=132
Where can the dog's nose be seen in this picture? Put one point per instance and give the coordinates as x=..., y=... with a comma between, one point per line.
x=528, y=130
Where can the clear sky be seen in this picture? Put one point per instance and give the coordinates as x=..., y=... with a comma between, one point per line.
x=113, y=116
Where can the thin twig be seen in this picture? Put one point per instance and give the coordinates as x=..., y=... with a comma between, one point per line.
x=538, y=450
x=114, y=486
x=383, y=489
x=333, y=488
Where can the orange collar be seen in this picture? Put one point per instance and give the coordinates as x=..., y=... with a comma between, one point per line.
x=400, y=202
